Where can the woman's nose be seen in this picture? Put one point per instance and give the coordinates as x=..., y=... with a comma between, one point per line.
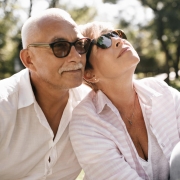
x=117, y=41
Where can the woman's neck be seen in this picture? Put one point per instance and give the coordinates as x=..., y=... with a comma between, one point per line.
x=120, y=92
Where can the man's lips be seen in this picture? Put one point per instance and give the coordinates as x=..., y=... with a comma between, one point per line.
x=123, y=51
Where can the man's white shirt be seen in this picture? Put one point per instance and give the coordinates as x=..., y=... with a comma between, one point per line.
x=28, y=150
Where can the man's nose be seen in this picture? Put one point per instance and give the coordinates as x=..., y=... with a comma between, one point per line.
x=74, y=55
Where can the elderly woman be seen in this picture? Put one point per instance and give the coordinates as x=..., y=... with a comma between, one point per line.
x=124, y=129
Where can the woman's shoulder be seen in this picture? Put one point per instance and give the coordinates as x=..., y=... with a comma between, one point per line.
x=86, y=106
x=153, y=83
x=85, y=118
x=157, y=85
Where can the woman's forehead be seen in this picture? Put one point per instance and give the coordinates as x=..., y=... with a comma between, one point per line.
x=101, y=32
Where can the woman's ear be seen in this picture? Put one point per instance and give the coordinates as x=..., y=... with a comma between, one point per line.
x=89, y=76
x=26, y=59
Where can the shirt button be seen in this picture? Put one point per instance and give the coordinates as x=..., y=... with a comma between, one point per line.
x=162, y=145
x=49, y=172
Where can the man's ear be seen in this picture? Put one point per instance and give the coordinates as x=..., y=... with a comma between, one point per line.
x=89, y=76
x=26, y=59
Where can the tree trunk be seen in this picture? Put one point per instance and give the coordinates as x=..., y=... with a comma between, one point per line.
x=176, y=64
x=53, y=4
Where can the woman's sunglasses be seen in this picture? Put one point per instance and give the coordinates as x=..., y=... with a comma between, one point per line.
x=105, y=41
x=62, y=48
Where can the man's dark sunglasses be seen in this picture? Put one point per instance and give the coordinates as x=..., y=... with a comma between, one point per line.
x=62, y=48
x=104, y=41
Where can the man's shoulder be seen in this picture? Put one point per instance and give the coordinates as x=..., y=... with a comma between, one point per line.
x=10, y=85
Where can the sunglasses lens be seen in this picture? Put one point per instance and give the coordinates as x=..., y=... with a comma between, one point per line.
x=114, y=34
x=121, y=34
x=82, y=45
x=61, y=49
x=104, y=42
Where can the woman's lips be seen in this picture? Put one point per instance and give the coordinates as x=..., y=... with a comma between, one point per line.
x=123, y=51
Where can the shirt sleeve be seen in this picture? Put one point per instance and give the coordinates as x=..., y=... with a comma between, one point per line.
x=176, y=97
x=97, y=153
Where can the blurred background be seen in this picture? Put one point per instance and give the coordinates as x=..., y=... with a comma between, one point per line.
x=152, y=26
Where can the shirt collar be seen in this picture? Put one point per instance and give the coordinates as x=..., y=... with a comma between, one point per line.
x=26, y=95
x=102, y=100
x=144, y=92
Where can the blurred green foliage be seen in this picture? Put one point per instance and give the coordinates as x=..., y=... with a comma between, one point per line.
x=7, y=22
x=175, y=84
x=157, y=42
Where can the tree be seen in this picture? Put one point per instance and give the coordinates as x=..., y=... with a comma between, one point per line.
x=167, y=29
x=6, y=43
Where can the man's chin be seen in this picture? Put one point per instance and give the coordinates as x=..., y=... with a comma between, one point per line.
x=71, y=83
x=74, y=85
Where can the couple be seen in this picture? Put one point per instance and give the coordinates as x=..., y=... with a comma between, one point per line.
x=123, y=129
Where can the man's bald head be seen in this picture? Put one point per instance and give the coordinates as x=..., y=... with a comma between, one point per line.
x=34, y=24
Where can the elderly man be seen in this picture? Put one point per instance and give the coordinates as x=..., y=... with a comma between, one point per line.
x=36, y=103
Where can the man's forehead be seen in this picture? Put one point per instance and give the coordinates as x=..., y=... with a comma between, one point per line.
x=51, y=20
x=64, y=36
x=49, y=26
x=56, y=31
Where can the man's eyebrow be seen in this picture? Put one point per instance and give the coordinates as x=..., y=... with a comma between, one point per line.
x=55, y=39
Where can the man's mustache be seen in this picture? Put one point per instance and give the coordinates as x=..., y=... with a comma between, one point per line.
x=71, y=68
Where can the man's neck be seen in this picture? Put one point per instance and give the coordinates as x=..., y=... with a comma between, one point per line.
x=52, y=102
